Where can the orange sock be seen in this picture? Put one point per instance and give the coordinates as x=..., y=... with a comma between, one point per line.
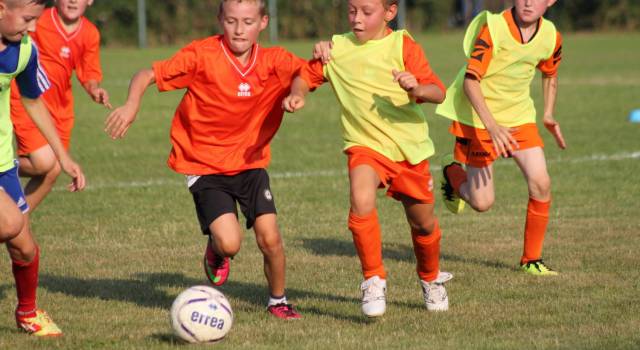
x=427, y=250
x=367, y=239
x=457, y=176
x=535, y=229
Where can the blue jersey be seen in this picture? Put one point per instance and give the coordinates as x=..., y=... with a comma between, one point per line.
x=32, y=81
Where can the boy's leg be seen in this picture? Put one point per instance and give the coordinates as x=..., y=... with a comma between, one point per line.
x=474, y=185
x=363, y=220
x=11, y=219
x=270, y=243
x=25, y=257
x=533, y=165
x=43, y=169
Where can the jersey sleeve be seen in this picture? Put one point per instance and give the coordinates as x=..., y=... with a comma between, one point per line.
x=33, y=81
x=287, y=66
x=550, y=66
x=313, y=73
x=89, y=67
x=478, y=62
x=416, y=63
x=178, y=71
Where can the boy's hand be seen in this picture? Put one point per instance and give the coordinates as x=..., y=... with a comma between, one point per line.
x=322, y=51
x=503, y=141
x=293, y=103
x=119, y=121
x=101, y=96
x=406, y=80
x=73, y=169
x=554, y=128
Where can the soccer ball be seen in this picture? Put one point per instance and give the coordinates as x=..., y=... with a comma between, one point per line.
x=201, y=314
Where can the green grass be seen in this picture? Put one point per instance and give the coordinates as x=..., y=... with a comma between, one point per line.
x=115, y=256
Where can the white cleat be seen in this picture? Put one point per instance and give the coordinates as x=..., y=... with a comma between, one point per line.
x=373, y=296
x=434, y=293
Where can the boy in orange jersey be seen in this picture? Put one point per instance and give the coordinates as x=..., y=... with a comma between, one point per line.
x=493, y=115
x=66, y=41
x=379, y=77
x=19, y=60
x=221, y=134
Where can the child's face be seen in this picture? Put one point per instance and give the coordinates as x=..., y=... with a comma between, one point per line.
x=242, y=24
x=17, y=20
x=72, y=10
x=530, y=11
x=369, y=18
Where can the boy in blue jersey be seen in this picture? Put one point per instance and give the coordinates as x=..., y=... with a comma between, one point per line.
x=19, y=60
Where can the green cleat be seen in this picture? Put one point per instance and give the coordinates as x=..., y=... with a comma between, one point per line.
x=537, y=268
x=454, y=203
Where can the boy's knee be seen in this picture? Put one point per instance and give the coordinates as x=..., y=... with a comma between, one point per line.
x=227, y=246
x=10, y=227
x=540, y=188
x=270, y=244
x=424, y=228
x=481, y=205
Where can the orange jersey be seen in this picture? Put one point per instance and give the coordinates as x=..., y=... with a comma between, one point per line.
x=60, y=53
x=230, y=112
x=483, y=51
x=415, y=62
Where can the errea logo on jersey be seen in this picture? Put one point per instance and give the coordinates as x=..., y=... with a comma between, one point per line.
x=244, y=90
x=65, y=52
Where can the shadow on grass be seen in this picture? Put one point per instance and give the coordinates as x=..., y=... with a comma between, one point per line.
x=393, y=251
x=146, y=291
x=4, y=288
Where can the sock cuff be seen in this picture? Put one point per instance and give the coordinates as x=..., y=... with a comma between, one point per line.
x=36, y=258
x=435, y=235
x=356, y=219
x=538, y=208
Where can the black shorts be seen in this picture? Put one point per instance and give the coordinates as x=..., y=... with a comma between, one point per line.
x=215, y=195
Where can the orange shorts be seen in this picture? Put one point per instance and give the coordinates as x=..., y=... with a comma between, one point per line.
x=28, y=136
x=402, y=178
x=474, y=146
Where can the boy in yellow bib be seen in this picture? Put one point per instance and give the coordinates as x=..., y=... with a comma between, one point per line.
x=493, y=115
x=379, y=76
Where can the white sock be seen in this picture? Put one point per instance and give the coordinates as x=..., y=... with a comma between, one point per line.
x=277, y=300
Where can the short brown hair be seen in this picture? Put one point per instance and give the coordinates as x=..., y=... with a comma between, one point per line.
x=388, y=3
x=261, y=4
x=13, y=3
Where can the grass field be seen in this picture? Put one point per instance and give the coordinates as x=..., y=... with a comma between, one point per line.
x=115, y=256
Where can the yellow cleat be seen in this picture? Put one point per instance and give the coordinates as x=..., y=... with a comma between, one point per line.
x=453, y=202
x=41, y=325
x=537, y=268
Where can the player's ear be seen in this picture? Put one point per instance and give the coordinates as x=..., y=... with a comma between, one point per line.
x=3, y=8
x=89, y=2
x=264, y=22
x=550, y=3
x=390, y=12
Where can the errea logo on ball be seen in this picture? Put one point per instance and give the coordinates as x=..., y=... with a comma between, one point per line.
x=244, y=90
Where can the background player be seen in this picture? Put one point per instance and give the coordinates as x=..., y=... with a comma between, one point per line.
x=66, y=41
x=493, y=115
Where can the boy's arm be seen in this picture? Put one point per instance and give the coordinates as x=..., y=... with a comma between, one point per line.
x=119, y=121
x=418, y=79
x=503, y=142
x=97, y=93
x=295, y=100
x=550, y=92
x=430, y=92
x=41, y=117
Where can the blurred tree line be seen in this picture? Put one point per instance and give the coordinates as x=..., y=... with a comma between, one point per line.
x=178, y=21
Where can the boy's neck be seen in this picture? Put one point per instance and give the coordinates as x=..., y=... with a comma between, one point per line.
x=244, y=57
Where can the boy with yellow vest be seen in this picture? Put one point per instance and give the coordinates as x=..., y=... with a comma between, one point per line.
x=379, y=76
x=19, y=61
x=493, y=115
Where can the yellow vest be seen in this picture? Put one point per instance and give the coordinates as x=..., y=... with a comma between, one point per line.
x=6, y=127
x=506, y=84
x=376, y=112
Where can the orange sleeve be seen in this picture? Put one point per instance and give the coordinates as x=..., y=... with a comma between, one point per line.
x=416, y=63
x=313, y=73
x=550, y=66
x=287, y=66
x=481, y=56
x=89, y=66
x=178, y=71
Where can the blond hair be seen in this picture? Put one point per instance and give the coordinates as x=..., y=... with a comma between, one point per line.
x=261, y=4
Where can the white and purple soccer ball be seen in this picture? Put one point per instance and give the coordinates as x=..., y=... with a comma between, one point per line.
x=201, y=314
